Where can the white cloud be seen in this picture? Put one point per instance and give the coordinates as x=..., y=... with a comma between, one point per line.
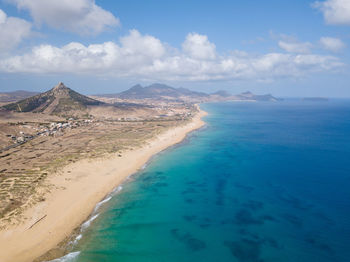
x=136, y=44
x=146, y=57
x=293, y=46
x=78, y=16
x=335, y=12
x=12, y=31
x=199, y=47
x=332, y=44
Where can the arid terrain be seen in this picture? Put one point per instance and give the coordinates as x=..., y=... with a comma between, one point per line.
x=38, y=143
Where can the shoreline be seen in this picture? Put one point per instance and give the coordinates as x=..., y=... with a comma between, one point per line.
x=79, y=187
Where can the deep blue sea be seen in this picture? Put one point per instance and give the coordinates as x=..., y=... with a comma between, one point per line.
x=262, y=182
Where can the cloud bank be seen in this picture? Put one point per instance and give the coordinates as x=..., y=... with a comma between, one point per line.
x=79, y=16
x=146, y=57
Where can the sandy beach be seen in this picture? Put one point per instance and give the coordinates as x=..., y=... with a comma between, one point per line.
x=77, y=190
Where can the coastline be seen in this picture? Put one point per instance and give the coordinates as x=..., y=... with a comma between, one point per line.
x=77, y=190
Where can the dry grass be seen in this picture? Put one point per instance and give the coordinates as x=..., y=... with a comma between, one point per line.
x=24, y=168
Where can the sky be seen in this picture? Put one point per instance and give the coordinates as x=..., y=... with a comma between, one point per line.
x=287, y=48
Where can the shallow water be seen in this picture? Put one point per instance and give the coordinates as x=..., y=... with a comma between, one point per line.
x=261, y=182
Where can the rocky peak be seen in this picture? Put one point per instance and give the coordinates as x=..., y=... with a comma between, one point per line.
x=60, y=89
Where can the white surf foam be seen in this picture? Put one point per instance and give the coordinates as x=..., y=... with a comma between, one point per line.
x=99, y=204
x=87, y=223
x=95, y=214
x=70, y=257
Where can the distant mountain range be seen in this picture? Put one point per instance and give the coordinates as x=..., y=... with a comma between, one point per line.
x=58, y=100
x=155, y=91
x=62, y=100
x=250, y=96
x=165, y=92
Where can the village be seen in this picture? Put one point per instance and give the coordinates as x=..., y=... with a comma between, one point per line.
x=32, y=130
x=43, y=129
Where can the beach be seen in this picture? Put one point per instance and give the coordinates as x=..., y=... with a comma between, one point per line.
x=75, y=191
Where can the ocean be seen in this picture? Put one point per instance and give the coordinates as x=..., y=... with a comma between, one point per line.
x=261, y=182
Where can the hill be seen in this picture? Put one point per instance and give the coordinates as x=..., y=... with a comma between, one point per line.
x=249, y=96
x=157, y=92
x=59, y=100
x=222, y=93
x=165, y=92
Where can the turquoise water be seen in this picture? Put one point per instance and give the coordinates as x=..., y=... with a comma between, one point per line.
x=261, y=182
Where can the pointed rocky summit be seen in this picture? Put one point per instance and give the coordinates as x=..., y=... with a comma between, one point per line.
x=59, y=100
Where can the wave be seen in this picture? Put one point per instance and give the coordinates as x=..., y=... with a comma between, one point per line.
x=70, y=257
x=95, y=214
x=87, y=223
x=101, y=203
x=106, y=199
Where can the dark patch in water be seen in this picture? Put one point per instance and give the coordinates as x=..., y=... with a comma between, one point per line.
x=191, y=242
x=189, y=218
x=201, y=222
x=322, y=216
x=249, y=234
x=189, y=191
x=118, y=212
x=219, y=202
x=148, y=178
x=219, y=189
x=273, y=243
x=152, y=177
x=220, y=185
x=154, y=190
x=244, y=187
x=189, y=200
x=254, y=205
x=315, y=241
x=203, y=184
x=245, y=217
x=294, y=220
x=161, y=184
x=293, y=201
x=263, y=240
x=245, y=250
x=268, y=218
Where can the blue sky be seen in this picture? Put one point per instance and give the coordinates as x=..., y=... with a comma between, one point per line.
x=288, y=48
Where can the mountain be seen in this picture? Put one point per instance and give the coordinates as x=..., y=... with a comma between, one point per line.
x=165, y=92
x=16, y=95
x=249, y=96
x=59, y=100
x=221, y=93
x=157, y=91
